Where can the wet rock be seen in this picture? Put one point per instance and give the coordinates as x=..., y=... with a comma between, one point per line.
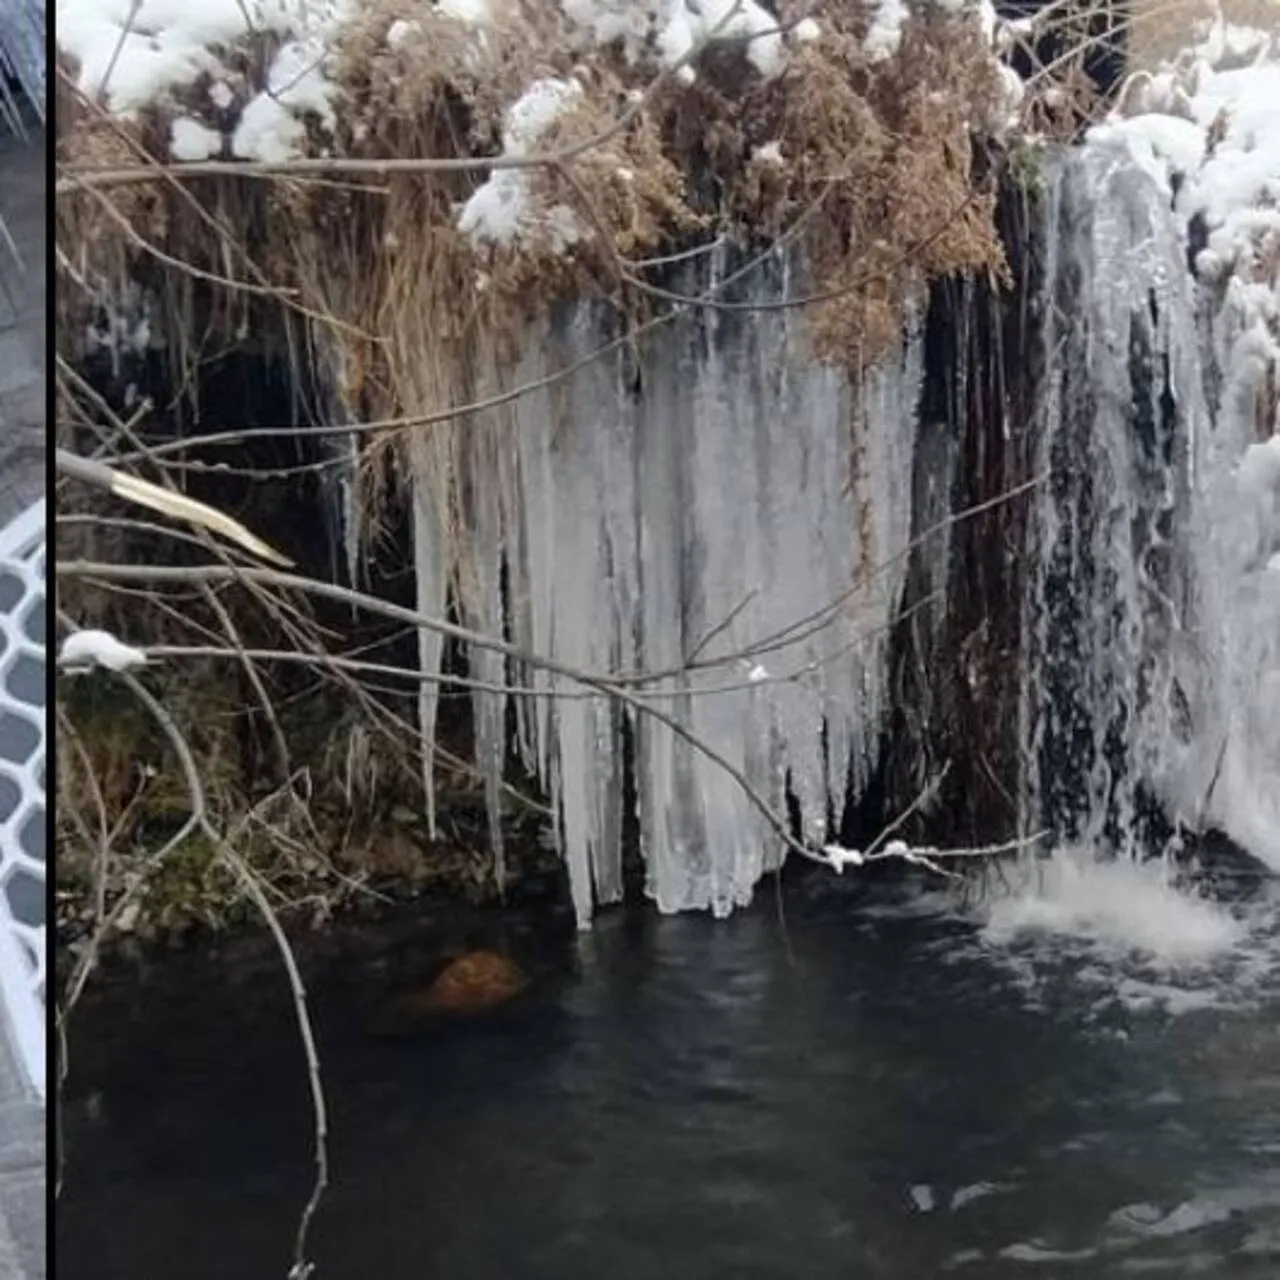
x=471, y=984
x=1221, y=869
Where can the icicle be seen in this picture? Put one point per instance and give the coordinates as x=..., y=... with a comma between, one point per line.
x=692, y=530
x=480, y=592
x=431, y=471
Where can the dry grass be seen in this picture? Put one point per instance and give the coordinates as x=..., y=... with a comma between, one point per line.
x=886, y=151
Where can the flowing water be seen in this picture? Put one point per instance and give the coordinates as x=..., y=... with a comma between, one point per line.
x=1078, y=1078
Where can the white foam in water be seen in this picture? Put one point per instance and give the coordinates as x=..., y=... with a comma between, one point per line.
x=1114, y=905
x=1131, y=933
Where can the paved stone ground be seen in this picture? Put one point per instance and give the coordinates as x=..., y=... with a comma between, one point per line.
x=22, y=326
x=22, y=1174
x=22, y=481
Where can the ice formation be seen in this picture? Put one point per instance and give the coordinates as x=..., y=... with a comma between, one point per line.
x=747, y=488
x=1156, y=623
x=704, y=521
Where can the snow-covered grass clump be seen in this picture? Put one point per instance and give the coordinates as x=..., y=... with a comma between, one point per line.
x=134, y=54
x=1208, y=126
x=503, y=209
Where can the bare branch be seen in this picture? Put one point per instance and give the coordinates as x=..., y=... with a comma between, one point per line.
x=302, y=1267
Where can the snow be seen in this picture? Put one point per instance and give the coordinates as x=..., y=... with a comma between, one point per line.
x=689, y=25
x=84, y=649
x=138, y=54
x=191, y=140
x=271, y=128
x=399, y=31
x=884, y=36
x=1218, y=130
x=988, y=20
x=167, y=44
x=502, y=211
x=473, y=12
x=840, y=857
x=673, y=28
x=1005, y=114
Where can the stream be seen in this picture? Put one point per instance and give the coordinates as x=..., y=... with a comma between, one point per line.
x=1077, y=1077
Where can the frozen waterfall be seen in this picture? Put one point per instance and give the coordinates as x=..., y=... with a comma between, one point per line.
x=731, y=520
x=724, y=529
x=1154, y=601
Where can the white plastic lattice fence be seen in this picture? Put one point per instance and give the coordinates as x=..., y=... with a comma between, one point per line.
x=22, y=785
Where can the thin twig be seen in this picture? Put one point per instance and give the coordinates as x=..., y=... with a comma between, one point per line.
x=601, y=683
x=302, y=1267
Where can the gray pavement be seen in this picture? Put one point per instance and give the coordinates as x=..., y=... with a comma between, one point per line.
x=22, y=481
x=22, y=1173
x=22, y=325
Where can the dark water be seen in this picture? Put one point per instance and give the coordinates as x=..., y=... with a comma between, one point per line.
x=691, y=1099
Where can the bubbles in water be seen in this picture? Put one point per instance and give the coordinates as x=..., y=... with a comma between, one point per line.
x=1114, y=906
x=1131, y=933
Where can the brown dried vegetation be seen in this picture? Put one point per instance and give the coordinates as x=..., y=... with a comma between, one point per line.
x=877, y=160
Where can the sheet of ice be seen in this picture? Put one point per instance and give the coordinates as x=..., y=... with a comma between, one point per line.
x=1156, y=622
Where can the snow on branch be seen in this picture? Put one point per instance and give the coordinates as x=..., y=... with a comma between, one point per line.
x=837, y=857
x=83, y=650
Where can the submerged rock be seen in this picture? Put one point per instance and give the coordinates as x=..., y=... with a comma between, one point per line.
x=471, y=984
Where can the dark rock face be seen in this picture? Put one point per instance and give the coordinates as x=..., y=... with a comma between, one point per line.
x=1223, y=869
x=955, y=666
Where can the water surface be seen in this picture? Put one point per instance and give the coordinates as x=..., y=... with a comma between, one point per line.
x=874, y=1090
